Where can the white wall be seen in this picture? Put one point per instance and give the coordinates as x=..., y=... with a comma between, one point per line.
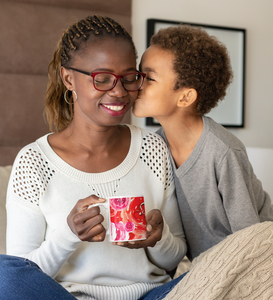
x=253, y=15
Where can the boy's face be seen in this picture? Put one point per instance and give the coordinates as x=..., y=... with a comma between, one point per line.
x=157, y=97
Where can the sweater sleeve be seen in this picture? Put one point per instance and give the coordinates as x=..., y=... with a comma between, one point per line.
x=170, y=250
x=26, y=228
x=244, y=199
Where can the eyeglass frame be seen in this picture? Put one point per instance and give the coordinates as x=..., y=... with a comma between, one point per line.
x=93, y=74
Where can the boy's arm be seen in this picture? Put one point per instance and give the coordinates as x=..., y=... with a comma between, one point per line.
x=244, y=199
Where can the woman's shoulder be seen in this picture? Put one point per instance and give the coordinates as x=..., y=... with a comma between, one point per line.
x=32, y=149
x=154, y=153
x=149, y=137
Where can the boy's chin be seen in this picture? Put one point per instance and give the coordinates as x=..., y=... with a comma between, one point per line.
x=137, y=113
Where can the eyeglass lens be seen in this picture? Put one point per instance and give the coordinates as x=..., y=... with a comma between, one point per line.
x=105, y=82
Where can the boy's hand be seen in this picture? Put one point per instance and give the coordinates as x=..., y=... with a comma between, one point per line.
x=154, y=229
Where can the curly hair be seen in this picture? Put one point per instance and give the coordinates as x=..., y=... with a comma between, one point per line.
x=200, y=62
x=57, y=112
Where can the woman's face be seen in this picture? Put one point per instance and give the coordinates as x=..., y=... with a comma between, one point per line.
x=102, y=108
x=157, y=97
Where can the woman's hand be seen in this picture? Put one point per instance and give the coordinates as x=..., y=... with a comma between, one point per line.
x=154, y=229
x=86, y=222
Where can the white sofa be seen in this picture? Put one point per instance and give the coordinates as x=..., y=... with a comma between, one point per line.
x=262, y=162
x=4, y=178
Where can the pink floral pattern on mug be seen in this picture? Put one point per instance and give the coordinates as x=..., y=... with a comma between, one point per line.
x=119, y=203
x=129, y=226
x=127, y=216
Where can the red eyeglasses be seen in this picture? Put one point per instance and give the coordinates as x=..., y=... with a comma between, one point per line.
x=105, y=81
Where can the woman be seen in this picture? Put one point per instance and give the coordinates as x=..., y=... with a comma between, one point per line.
x=93, y=82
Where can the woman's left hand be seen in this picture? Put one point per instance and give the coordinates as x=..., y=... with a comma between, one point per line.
x=154, y=231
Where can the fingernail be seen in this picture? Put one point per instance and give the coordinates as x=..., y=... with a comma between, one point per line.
x=149, y=227
x=102, y=199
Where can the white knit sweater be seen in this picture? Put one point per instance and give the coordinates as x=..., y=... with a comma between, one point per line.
x=42, y=191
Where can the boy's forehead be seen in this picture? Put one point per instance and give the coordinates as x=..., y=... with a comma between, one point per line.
x=154, y=56
x=150, y=56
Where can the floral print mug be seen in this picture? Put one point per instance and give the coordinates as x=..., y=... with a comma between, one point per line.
x=126, y=218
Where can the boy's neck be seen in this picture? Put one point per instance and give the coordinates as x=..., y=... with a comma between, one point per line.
x=182, y=136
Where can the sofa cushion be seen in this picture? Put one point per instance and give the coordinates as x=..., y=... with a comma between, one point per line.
x=4, y=178
x=239, y=267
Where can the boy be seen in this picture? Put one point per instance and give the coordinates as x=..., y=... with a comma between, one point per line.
x=187, y=74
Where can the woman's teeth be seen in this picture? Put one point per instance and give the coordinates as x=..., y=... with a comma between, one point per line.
x=114, y=107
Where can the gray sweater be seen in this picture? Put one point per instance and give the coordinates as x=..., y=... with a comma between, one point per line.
x=217, y=190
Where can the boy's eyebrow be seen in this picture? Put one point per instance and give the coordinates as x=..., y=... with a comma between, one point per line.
x=147, y=69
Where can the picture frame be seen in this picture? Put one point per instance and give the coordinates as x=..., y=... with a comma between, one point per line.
x=230, y=111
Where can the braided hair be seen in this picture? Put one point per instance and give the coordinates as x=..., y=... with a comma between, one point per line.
x=58, y=113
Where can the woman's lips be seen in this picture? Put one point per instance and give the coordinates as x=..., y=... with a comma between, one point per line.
x=115, y=110
x=114, y=107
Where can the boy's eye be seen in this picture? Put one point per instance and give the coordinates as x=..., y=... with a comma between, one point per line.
x=149, y=78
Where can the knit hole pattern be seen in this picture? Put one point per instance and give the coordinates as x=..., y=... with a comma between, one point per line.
x=155, y=155
x=31, y=176
x=106, y=189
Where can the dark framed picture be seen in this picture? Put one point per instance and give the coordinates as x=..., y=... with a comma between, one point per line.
x=230, y=111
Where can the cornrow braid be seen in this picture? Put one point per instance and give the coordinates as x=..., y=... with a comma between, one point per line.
x=97, y=25
x=57, y=112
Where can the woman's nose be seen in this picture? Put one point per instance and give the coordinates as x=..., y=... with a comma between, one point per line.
x=118, y=90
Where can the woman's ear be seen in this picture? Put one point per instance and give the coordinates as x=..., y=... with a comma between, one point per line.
x=66, y=78
x=187, y=97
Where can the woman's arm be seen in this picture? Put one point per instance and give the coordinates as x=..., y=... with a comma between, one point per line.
x=26, y=237
x=165, y=243
x=170, y=250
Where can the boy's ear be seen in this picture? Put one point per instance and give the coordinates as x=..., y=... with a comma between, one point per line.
x=66, y=78
x=188, y=97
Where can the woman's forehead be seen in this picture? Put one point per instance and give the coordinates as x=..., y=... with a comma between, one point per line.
x=107, y=53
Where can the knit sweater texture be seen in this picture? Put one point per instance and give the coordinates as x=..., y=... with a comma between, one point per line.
x=240, y=267
x=42, y=191
x=217, y=190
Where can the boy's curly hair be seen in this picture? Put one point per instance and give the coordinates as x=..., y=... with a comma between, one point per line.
x=200, y=62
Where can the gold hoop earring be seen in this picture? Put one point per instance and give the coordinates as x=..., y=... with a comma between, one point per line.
x=75, y=95
x=65, y=99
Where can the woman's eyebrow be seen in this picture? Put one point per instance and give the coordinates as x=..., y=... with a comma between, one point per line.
x=132, y=69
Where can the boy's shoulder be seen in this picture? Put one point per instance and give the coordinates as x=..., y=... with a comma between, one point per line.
x=222, y=135
x=161, y=133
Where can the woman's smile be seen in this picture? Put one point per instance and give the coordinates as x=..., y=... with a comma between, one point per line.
x=115, y=109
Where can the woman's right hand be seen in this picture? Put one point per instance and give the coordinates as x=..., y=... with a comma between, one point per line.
x=86, y=222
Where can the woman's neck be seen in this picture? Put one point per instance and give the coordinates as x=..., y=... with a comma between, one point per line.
x=92, y=150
